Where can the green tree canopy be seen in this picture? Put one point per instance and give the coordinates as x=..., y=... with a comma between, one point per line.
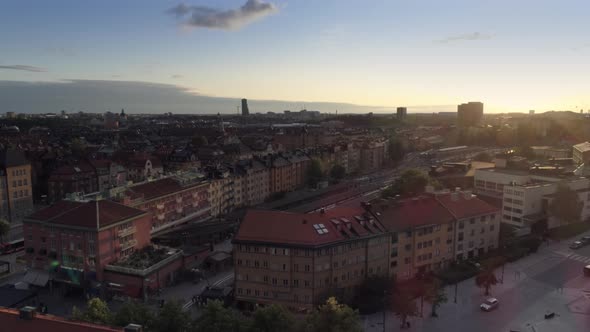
x=338, y=172
x=403, y=305
x=171, y=318
x=217, y=318
x=412, y=181
x=97, y=311
x=272, y=318
x=566, y=206
x=372, y=294
x=4, y=229
x=314, y=173
x=199, y=141
x=133, y=313
x=333, y=317
x=486, y=279
x=435, y=295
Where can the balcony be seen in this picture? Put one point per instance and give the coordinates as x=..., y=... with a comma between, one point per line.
x=127, y=231
x=128, y=244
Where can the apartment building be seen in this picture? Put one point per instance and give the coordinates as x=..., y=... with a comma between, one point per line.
x=16, y=191
x=297, y=259
x=171, y=201
x=80, y=177
x=82, y=237
x=491, y=181
x=373, y=154
x=255, y=188
x=581, y=153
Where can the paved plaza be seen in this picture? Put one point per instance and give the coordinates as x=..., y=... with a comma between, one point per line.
x=550, y=280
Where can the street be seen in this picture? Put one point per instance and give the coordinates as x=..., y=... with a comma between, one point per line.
x=550, y=280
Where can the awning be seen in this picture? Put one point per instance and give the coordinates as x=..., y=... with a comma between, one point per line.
x=36, y=277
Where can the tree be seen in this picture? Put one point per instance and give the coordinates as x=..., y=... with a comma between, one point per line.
x=403, y=305
x=217, y=318
x=314, y=173
x=133, y=312
x=97, y=311
x=395, y=149
x=435, y=295
x=333, y=317
x=507, y=233
x=4, y=229
x=412, y=181
x=338, y=172
x=199, y=141
x=78, y=147
x=486, y=279
x=483, y=156
x=566, y=206
x=171, y=318
x=272, y=318
x=372, y=292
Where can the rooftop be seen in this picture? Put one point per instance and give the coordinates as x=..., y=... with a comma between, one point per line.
x=10, y=321
x=465, y=205
x=409, y=213
x=583, y=147
x=84, y=214
x=314, y=229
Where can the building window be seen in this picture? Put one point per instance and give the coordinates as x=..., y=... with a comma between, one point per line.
x=472, y=221
x=491, y=228
x=407, y=260
x=408, y=247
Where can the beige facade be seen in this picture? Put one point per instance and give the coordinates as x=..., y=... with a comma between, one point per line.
x=16, y=192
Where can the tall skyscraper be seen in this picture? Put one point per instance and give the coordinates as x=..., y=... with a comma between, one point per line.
x=245, y=110
x=402, y=112
x=470, y=114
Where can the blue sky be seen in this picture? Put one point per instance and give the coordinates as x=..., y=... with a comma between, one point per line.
x=512, y=55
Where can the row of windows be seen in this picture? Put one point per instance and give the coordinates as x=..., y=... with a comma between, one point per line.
x=309, y=252
x=513, y=201
x=428, y=230
x=19, y=172
x=471, y=244
x=510, y=209
x=513, y=218
x=19, y=183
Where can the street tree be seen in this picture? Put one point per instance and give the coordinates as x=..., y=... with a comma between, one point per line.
x=272, y=318
x=486, y=279
x=133, y=313
x=199, y=141
x=412, y=181
x=403, y=306
x=372, y=293
x=4, y=229
x=97, y=311
x=338, y=172
x=566, y=206
x=217, y=318
x=171, y=318
x=314, y=173
x=333, y=317
x=435, y=295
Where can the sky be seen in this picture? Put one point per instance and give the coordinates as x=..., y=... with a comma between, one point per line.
x=511, y=55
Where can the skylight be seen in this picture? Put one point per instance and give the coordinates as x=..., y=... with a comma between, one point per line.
x=320, y=228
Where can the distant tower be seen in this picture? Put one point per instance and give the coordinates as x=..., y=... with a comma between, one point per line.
x=245, y=110
x=402, y=112
x=220, y=123
x=470, y=114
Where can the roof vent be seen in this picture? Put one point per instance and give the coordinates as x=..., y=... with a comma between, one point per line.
x=322, y=210
x=133, y=328
x=27, y=313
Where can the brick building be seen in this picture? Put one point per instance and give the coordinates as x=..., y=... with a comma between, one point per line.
x=82, y=238
x=16, y=193
x=297, y=259
x=171, y=201
x=81, y=177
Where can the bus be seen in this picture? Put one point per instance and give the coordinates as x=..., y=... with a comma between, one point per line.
x=12, y=246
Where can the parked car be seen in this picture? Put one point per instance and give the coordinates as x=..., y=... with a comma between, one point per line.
x=489, y=304
x=576, y=245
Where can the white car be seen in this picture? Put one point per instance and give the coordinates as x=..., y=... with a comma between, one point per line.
x=489, y=304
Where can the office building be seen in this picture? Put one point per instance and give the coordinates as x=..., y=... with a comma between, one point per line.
x=470, y=114
x=245, y=110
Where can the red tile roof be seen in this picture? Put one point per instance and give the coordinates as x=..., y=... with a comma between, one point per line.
x=154, y=189
x=83, y=214
x=412, y=212
x=465, y=205
x=10, y=321
x=279, y=227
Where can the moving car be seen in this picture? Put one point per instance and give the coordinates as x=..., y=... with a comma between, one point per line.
x=489, y=304
x=576, y=245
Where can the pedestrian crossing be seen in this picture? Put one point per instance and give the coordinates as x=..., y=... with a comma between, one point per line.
x=574, y=256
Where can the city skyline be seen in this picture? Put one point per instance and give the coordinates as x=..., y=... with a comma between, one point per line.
x=429, y=56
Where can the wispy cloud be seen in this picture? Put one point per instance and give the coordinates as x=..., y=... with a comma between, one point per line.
x=24, y=68
x=581, y=47
x=466, y=37
x=231, y=19
x=176, y=76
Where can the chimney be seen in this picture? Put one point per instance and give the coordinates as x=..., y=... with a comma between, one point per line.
x=304, y=221
x=322, y=211
x=133, y=328
x=26, y=313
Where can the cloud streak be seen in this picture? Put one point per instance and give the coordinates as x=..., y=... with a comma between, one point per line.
x=231, y=19
x=466, y=37
x=24, y=68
